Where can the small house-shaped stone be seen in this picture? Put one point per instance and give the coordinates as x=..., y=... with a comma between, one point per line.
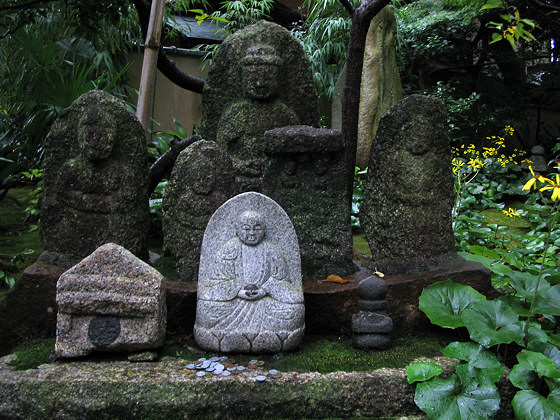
x=109, y=301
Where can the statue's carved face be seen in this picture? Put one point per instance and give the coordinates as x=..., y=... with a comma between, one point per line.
x=261, y=81
x=251, y=230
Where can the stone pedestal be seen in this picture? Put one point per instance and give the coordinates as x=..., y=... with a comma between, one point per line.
x=303, y=174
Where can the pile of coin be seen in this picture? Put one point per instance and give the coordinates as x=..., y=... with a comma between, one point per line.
x=224, y=366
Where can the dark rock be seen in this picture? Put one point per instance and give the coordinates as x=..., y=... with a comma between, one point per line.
x=365, y=322
x=302, y=174
x=371, y=305
x=372, y=288
x=95, y=179
x=201, y=181
x=408, y=192
x=371, y=341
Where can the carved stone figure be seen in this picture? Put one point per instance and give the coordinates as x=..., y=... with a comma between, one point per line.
x=96, y=182
x=277, y=90
x=201, y=181
x=250, y=297
x=110, y=301
x=408, y=192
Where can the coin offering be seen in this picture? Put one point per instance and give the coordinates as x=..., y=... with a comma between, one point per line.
x=253, y=362
x=276, y=375
x=241, y=367
x=260, y=378
x=226, y=373
x=260, y=363
x=200, y=374
x=190, y=366
x=252, y=366
x=273, y=371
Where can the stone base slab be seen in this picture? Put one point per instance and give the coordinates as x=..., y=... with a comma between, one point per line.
x=166, y=389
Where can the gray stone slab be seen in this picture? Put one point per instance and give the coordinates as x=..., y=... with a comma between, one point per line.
x=365, y=322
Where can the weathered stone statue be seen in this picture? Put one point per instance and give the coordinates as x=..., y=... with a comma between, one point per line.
x=250, y=296
x=302, y=174
x=96, y=178
x=110, y=301
x=260, y=79
x=201, y=181
x=408, y=192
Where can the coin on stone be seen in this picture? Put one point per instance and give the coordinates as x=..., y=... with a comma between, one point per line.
x=201, y=374
x=226, y=373
x=260, y=378
x=276, y=375
x=252, y=366
x=260, y=363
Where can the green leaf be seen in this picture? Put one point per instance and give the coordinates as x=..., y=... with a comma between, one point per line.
x=492, y=4
x=444, y=302
x=530, y=405
x=548, y=300
x=492, y=322
x=418, y=372
x=464, y=395
x=539, y=363
x=477, y=356
x=522, y=378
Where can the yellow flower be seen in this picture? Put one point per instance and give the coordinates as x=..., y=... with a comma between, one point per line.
x=512, y=212
x=554, y=186
x=533, y=181
x=509, y=130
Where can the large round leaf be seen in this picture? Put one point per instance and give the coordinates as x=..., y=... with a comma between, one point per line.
x=477, y=356
x=492, y=322
x=444, y=302
x=530, y=405
x=463, y=396
x=418, y=372
x=543, y=365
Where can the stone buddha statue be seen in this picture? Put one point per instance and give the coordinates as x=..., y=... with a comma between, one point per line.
x=249, y=302
x=243, y=124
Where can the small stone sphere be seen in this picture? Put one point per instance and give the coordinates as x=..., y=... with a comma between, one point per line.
x=372, y=288
x=537, y=150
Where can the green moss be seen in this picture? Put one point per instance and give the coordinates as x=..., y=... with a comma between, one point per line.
x=361, y=244
x=32, y=353
x=324, y=355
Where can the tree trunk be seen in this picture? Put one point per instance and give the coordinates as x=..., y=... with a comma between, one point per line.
x=165, y=64
x=361, y=19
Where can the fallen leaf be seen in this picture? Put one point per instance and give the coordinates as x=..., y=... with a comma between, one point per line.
x=379, y=274
x=333, y=278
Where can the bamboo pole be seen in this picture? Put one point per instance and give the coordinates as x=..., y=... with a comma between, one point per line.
x=149, y=64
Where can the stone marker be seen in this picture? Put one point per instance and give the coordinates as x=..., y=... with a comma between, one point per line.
x=250, y=296
x=381, y=85
x=371, y=326
x=201, y=181
x=260, y=79
x=109, y=301
x=96, y=179
x=302, y=174
x=408, y=192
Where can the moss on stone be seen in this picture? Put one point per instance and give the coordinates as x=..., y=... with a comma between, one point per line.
x=32, y=353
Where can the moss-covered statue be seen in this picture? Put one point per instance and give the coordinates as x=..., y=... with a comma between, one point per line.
x=259, y=80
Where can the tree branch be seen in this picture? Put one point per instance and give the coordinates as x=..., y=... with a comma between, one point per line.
x=165, y=64
x=24, y=5
x=347, y=6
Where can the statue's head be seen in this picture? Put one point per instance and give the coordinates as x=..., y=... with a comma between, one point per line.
x=251, y=228
x=260, y=72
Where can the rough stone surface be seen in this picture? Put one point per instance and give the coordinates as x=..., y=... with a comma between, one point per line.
x=110, y=301
x=381, y=84
x=408, y=192
x=164, y=390
x=250, y=296
x=29, y=309
x=372, y=288
x=302, y=174
x=371, y=305
x=201, y=181
x=371, y=341
x=96, y=178
x=276, y=90
x=366, y=322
